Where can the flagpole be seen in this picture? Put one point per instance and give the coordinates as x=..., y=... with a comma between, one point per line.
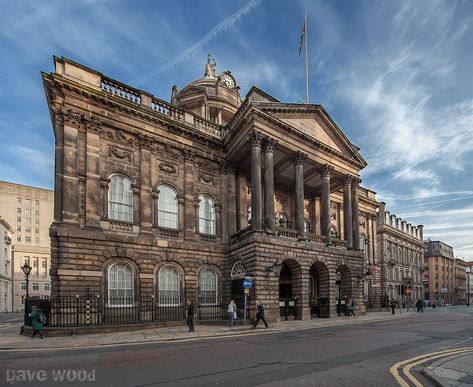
x=306, y=61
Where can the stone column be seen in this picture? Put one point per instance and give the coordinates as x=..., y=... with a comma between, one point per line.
x=256, y=219
x=347, y=211
x=136, y=203
x=104, y=184
x=146, y=210
x=231, y=204
x=154, y=206
x=355, y=213
x=58, y=163
x=219, y=115
x=189, y=224
x=202, y=108
x=325, y=223
x=299, y=191
x=269, y=145
x=70, y=178
x=242, y=203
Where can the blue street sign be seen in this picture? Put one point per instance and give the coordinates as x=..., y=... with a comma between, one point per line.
x=247, y=283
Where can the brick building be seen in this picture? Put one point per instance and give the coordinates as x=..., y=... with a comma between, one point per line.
x=183, y=199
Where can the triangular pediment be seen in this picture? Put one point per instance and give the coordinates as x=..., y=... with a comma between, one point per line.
x=313, y=121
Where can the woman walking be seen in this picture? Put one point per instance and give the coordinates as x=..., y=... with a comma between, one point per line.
x=232, y=312
x=351, y=307
x=38, y=319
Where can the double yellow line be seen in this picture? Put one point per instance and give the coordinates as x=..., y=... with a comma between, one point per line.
x=408, y=364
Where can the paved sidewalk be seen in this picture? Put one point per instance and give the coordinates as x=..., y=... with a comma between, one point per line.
x=455, y=370
x=11, y=340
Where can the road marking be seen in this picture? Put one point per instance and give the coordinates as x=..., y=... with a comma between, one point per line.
x=413, y=361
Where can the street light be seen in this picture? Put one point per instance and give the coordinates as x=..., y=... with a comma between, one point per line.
x=368, y=277
x=27, y=270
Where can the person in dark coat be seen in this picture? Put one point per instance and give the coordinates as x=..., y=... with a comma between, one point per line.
x=351, y=307
x=260, y=314
x=37, y=318
x=190, y=315
x=393, y=306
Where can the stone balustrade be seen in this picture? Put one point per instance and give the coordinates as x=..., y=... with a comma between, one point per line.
x=314, y=237
x=121, y=90
x=121, y=226
x=207, y=126
x=163, y=107
x=168, y=232
x=286, y=233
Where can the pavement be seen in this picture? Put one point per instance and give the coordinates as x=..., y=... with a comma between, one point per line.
x=11, y=340
x=455, y=370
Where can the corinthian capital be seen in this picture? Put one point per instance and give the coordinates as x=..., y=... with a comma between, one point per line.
x=326, y=170
x=347, y=180
x=269, y=144
x=255, y=138
x=299, y=158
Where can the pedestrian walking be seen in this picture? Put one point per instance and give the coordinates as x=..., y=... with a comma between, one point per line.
x=351, y=307
x=260, y=314
x=232, y=312
x=408, y=303
x=393, y=306
x=420, y=306
x=190, y=315
x=38, y=319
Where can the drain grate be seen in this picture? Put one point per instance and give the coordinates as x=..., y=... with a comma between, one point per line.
x=466, y=379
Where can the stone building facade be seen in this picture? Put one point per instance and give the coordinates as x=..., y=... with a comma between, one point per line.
x=29, y=210
x=6, y=280
x=440, y=262
x=185, y=199
x=400, y=250
x=459, y=289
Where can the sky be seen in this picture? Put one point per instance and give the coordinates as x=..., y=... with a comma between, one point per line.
x=396, y=76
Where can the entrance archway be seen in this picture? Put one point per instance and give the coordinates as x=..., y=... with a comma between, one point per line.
x=319, y=291
x=237, y=275
x=290, y=287
x=343, y=288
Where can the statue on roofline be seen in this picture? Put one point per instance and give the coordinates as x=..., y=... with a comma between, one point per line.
x=210, y=67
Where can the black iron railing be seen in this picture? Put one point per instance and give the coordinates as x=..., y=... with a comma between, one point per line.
x=89, y=310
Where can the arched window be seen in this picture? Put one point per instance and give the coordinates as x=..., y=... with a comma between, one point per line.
x=281, y=220
x=169, y=286
x=362, y=243
x=306, y=225
x=120, y=198
x=208, y=287
x=120, y=284
x=206, y=215
x=167, y=207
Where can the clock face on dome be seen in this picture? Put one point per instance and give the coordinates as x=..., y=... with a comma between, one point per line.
x=228, y=80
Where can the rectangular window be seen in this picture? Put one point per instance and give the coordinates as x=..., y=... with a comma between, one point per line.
x=37, y=202
x=35, y=262
x=18, y=228
x=23, y=286
x=28, y=220
x=36, y=230
x=27, y=239
x=44, y=264
x=35, y=286
x=36, y=240
x=26, y=259
x=28, y=212
x=18, y=210
x=46, y=286
x=28, y=201
x=36, y=221
x=28, y=229
x=18, y=238
x=18, y=199
x=18, y=219
x=37, y=213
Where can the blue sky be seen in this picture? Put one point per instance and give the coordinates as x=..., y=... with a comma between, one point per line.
x=395, y=75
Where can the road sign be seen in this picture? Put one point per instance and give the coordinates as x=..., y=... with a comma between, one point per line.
x=247, y=291
x=443, y=290
x=408, y=291
x=247, y=283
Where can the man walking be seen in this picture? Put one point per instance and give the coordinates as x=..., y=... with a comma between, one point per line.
x=190, y=315
x=260, y=314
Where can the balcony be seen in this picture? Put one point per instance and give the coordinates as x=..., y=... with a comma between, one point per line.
x=168, y=232
x=7, y=239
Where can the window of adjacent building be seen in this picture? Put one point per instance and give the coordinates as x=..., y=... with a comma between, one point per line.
x=167, y=207
x=28, y=220
x=18, y=228
x=28, y=201
x=26, y=259
x=44, y=264
x=28, y=229
x=18, y=219
x=36, y=221
x=333, y=232
x=18, y=200
x=37, y=202
x=35, y=263
x=208, y=287
x=281, y=220
x=36, y=240
x=46, y=286
x=35, y=286
x=169, y=286
x=37, y=213
x=36, y=230
x=206, y=215
x=18, y=238
x=27, y=239
x=120, y=198
x=120, y=284
x=28, y=212
x=23, y=286
x=18, y=210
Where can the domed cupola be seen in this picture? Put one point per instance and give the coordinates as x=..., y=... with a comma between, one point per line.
x=216, y=98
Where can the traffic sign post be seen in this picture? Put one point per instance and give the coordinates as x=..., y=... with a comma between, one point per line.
x=247, y=284
x=408, y=291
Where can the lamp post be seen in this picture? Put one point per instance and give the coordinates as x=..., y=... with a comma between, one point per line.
x=368, y=277
x=26, y=268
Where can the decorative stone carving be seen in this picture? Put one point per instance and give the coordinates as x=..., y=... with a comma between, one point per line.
x=269, y=144
x=326, y=170
x=120, y=154
x=170, y=169
x=281, y=199
x=255, y=138
x=208, y=179
x=299, y=158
